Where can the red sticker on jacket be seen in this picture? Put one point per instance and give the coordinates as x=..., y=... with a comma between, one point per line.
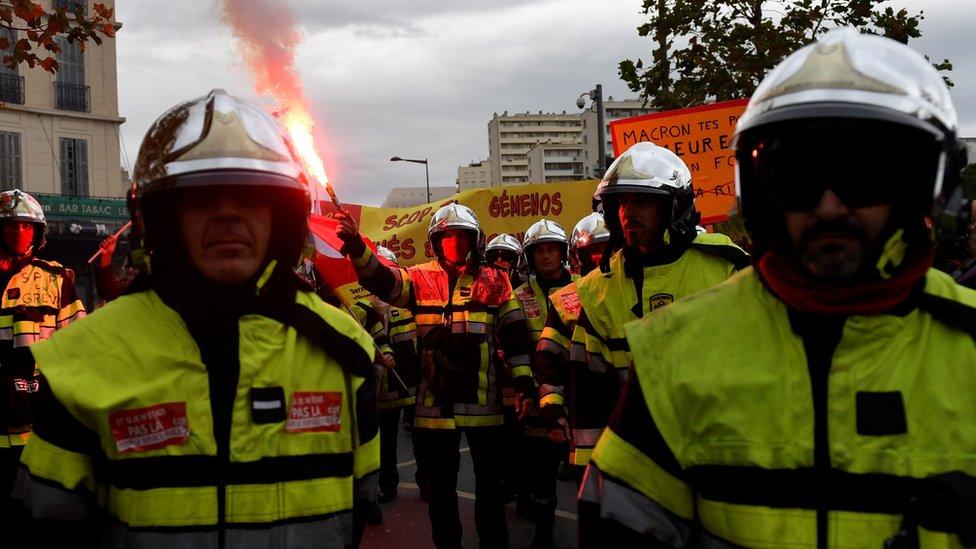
x=571, y=302
x=312, y=412
x=149, y=428
x=532, y=308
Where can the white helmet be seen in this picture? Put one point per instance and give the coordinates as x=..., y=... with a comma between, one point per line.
x=504, y=242
x=455, y=216
x=847, y=111
x=16, y=205
x=541, y=231
x=590, y=230
x=646, y=168
x=216, y=141
x=386, y=253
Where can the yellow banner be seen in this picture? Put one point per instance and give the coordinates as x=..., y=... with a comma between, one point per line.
x=510, y=209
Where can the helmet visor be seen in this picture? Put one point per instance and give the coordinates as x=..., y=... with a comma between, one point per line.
x=864, y=165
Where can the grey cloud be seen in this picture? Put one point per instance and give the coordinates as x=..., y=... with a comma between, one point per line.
x=318, y=15
x=422, y=78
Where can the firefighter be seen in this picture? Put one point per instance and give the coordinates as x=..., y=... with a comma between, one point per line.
x=398, y=386
x=39, y=298
x=831, y=404
x=462, y=307
x=647, y=199
x=504, y=252
x=545, y=253
x=590, y=237
x=220, y=402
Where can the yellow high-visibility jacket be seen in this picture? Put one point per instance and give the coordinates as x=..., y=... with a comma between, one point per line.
x=534, y=302
x=39, y=299
x=134, y=427
x=750, y=424
x=402, y=329
x=474, y=315
x=587, y=376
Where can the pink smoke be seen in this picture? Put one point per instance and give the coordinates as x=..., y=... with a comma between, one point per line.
x=267, y=34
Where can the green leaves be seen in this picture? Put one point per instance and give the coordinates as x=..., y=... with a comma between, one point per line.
x=722, y=49
x=40, y=29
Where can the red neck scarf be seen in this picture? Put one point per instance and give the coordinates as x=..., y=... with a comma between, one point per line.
x=802, y=293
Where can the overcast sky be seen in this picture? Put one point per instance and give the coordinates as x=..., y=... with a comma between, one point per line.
x=421, y=78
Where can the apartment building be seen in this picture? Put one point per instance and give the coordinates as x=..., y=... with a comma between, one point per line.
x=614, y=110
x=59, y=140
x=476, y=175
x=511, y=136
x=549, y=162
x=406, y=197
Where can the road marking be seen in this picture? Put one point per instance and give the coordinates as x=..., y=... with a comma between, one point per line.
x=467, y=495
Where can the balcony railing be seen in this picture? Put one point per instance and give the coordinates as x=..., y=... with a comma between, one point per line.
x=11, y=88
x=72, y=97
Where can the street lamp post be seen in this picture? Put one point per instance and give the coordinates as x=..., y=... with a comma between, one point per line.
x=417, y=161
x=596, y=95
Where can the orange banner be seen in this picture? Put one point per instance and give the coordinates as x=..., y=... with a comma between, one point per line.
x=702, y=137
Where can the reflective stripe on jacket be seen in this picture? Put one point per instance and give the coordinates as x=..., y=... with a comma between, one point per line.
x=534, y=302
x=402, y=330
x=751, y=425
x=127, y=431
x=39, y=299
x=474, y=314
x=598, y=356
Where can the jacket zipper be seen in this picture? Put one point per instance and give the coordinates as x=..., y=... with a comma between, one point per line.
x=821, y=335
x=223, y=371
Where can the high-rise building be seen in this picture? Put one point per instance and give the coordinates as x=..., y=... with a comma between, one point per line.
x=59, y=140
x=476, y=175
x=614, y=110
x=510, y=136
x=550, y=162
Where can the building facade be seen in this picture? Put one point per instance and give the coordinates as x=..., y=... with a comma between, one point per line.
x=613, y=110
x=59, y=140
x=551, y=162
x=476, y=175
x=510, y=136
x=406, y=197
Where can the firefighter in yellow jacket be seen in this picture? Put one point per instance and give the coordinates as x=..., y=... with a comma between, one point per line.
x=462, y=307
x=39, y=298
x=823, y=398
x=648, y=204
x=545, y=253
x=220, y=403
x=589, y=240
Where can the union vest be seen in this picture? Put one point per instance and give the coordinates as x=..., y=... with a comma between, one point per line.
x=599, y=356
x=738, y=431
x=131, y=382
x=460, y=327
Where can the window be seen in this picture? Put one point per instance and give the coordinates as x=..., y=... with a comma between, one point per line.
x=11, y=83
x=71, y=91
x=9, y=161
x=70, y=5
x=74, y=167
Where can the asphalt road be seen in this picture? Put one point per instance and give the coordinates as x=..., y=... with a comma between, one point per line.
x=405, y=522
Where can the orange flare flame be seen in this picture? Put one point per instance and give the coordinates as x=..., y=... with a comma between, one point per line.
x=299, y=125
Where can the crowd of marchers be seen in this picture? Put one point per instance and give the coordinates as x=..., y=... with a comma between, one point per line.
x=813, y=392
